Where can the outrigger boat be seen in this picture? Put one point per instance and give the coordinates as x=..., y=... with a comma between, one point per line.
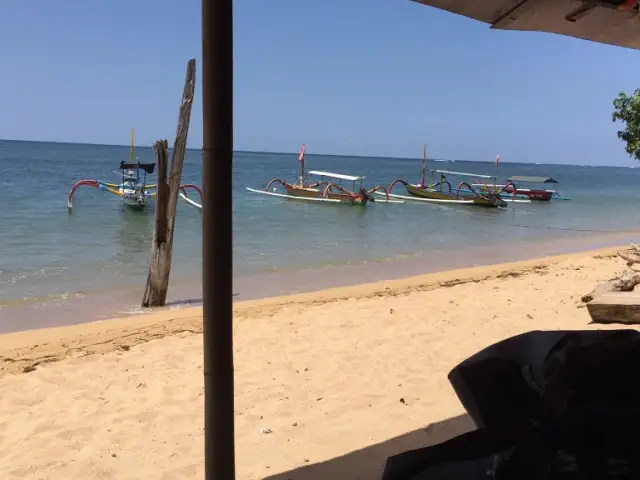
x=133, y=190
x=537, y=194
x=327, y=188
x=443, y=192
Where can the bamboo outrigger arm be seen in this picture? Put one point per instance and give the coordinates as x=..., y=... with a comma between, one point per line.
x=286, y=184
x=377, y=188
x=183, y=194
x=331, y=187
x=149, y=191
x=107, y=187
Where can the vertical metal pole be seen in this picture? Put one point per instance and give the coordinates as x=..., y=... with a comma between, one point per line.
x=217, y=245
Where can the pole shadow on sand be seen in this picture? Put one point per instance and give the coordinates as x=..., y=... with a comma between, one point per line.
x=368, y=463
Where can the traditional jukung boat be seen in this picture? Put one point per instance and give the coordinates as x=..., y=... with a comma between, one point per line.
x=133, y=189
x=443, y=192
x=328, y=187
x=537, y=194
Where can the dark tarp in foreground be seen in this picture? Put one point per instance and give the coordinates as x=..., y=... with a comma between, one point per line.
x=548, y=406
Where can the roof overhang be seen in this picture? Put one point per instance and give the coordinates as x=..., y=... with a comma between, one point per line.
x=605, y=21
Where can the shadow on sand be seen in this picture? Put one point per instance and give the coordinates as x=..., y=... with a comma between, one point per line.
x=368, y=463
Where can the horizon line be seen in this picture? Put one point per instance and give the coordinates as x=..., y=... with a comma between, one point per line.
x=313, y=154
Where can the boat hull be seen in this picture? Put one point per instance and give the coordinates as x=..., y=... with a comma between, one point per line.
x=538, y=195
x=134, y=204
x=444, y=196
x=507, y=197
x=507, y=191
x=133, y=200
x=308, y=192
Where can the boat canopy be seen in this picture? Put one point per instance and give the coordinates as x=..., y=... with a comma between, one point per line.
x=462, y=174
x=147, y=167
x=532, y=179
x=340, y=176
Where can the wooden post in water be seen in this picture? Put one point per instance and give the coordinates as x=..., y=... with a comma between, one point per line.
x=155, y=293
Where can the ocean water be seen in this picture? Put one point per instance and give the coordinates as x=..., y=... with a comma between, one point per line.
x=102, y=250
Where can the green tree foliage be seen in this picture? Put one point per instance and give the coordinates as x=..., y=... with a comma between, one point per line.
x=627, y=110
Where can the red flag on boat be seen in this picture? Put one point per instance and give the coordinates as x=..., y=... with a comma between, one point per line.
x=301, y=156
x=497, y=159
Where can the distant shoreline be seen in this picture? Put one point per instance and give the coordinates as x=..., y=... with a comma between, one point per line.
x=319, y=154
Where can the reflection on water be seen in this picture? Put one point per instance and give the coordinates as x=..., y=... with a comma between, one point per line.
x=135, y=233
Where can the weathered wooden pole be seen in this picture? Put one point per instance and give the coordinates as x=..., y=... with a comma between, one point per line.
x=217, y=244
x=155, y=293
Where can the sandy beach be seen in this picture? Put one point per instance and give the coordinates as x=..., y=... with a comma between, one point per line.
x=328, y=384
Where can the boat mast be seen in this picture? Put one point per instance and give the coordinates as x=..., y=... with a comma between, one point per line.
x=131, y=146
x=131, y=155
x=424, y=165
x=301, y=159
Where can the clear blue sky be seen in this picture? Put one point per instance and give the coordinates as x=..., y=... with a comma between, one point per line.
x=363, y=77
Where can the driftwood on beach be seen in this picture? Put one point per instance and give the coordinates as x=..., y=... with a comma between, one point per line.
x=155, y=293
x=615, y=307
x=616, y=301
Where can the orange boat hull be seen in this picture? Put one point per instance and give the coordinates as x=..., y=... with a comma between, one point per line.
x=426, y=193
x=309, y=192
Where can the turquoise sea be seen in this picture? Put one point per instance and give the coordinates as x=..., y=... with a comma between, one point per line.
x=93, y=263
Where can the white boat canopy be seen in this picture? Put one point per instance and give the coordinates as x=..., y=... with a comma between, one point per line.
x=532, y=179
x=462, y=174
x=340, y=176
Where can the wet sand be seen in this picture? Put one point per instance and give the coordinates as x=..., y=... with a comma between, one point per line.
x=328, y=384
x=79, y=307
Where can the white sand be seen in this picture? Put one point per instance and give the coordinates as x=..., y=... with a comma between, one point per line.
x=342, y=378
